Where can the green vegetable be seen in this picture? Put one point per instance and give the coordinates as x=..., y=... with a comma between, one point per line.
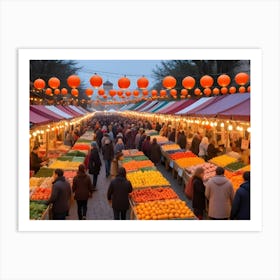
x=235, y=166
x=36, y=210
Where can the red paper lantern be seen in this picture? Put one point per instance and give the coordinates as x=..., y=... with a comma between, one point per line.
x=39, y=84
x=101, y=91
x=216, y=91
x=96, y=81
x=124, y=83
x=242, y=78
x=183, y=96
x=74, y=92
x=249, y=89
x=224, y=80
x=64, y=91
x=232, y=90
x=120, y=93
x=142, y=83
x=197, y=91
x=89, y=92
x=73, y=81
x=127, y=93
x=154, y=92
x=112, y=92
x=169, y=82
x=206, y=81
x=188, y=82
x=184, y=92
x=145, y=92
x=189, y=96
x=162, y=93
x=242, y=89
x=207, y=91
x=48, y=91
x=173, y=92
x=54, y=82
x=135, y=92
x=105, y=96
x=56, y=91
x=224, y=90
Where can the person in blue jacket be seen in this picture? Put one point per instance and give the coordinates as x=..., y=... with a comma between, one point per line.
x=241, y=203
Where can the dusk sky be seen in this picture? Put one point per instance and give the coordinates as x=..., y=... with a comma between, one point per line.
x=112, y=70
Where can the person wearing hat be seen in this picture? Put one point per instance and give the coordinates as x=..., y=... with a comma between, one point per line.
x=94, y=164
x=35, y=161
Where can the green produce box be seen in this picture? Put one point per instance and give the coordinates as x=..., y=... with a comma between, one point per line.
x=76, y=154
x=235, y=166
x=44, y=172
x=65, y=158
x=78, y=159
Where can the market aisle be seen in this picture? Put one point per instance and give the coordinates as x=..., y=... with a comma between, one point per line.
x=98, y=207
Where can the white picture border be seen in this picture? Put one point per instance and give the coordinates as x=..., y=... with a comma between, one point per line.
x=24, y=57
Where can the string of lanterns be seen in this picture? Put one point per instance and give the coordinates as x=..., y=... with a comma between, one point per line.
x=169, y=83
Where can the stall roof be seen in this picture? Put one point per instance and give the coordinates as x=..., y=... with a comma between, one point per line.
x=197, y=103
x=37, y=119
x=158, y=106
x=77, y=109
x=43, y=111
x=239, y=112
x=68, y=110
x=143, y=105
x=222, y=104
x=180, y=106
x=59, y=112
x=149, y=106
x=167, y=105
x=83, y=109
x=136, y=105
x=173, y=106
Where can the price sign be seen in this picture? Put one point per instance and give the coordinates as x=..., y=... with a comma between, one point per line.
x=180, y=172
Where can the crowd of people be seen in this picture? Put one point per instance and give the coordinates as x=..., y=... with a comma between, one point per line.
x=113, y=134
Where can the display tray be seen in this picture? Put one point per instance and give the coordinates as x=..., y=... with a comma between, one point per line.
x=145, y=187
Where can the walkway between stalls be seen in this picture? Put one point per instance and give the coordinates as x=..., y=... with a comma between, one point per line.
x=98, y=207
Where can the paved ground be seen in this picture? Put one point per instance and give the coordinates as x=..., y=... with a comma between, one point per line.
x=98, y=207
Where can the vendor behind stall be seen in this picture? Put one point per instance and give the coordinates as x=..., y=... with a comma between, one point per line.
x=35, y=161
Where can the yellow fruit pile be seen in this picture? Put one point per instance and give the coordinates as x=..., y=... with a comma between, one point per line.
x=67, y=165
x=163, y=210
x=149, y=178
x=170, y=147
x=35, y=182
x=186, y=162
x=223, y=160
x=246, y=168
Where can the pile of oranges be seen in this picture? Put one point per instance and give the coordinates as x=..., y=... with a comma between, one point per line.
x=163, y=210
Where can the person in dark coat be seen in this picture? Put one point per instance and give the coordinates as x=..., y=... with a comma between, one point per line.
x=158, y=127
x=108, y=155
x=82, y=188
x=35, y=161
x=198, y=199
x=182, y=140
x=195, y=144
x=99, y=136
x=146, y=146
x=94, y=164
x=241, y=203
x=155, y=152
x=118, y=193
x=142, y=139
x=212, y=151
x=172, y=135
x=60, y=196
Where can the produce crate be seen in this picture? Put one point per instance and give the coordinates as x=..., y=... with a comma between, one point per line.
x=235, y=166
